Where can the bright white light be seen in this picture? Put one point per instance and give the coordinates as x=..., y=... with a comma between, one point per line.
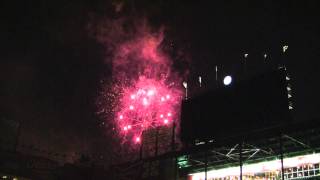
x=133, y=96
x=137, y=139
x=129, y=126
x=166, y=121
x=185, y=84
x=145, y=101
x=169, y=114
x=284, y=48
x=227, y=80
x=121, y=117
x=131, y=107
x=150, y=93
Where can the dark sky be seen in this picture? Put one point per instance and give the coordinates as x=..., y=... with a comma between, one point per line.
x=51, y=67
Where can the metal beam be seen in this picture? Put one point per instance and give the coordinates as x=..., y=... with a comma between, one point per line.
x=296, y=141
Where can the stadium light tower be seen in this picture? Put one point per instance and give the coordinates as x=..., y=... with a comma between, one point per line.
x=200, y=81
x=227, y=80
x=285, y=48
x=185, y=85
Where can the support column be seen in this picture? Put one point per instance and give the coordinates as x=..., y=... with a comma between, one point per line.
x=206, y=165
x=157, y=144
x=281, y=156
x=240, y=159
x=173, y=150
x=141, y=148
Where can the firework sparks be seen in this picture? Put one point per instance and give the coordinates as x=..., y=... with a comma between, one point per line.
x=147, y=110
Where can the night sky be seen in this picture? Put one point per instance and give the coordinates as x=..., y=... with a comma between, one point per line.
x=51, y=64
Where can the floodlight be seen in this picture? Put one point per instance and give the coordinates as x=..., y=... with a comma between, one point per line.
x=227, y=80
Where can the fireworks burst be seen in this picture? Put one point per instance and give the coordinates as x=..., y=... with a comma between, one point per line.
x=145, y=90
x=148, y=104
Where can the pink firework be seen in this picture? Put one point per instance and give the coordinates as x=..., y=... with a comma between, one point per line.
x=154, y=104
x=146, y=91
